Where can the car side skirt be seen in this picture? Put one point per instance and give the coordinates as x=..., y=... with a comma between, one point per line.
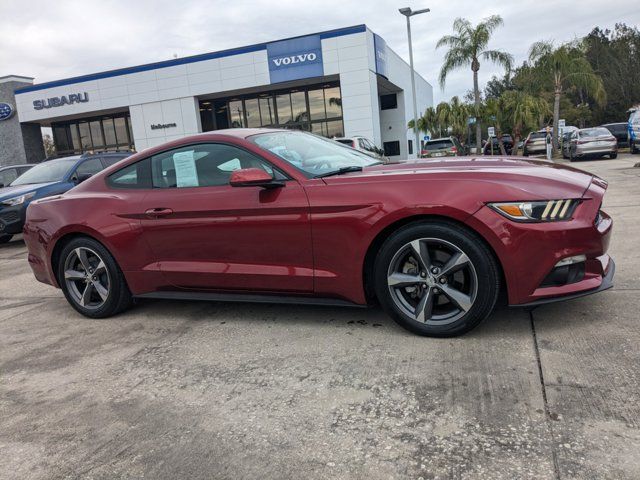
x=249, y=298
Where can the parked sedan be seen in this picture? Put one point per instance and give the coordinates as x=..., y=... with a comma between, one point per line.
x=284, y=216
x=10, y=172
x=441, y=147
x=592, y=142
x=535, y=144
x=52, y=177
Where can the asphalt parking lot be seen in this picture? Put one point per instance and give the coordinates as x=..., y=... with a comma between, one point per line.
x=227, y=391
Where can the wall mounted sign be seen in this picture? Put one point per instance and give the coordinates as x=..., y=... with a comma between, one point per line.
x=55, y=102
x=6, y=111
x=380, y=47
x=161, y=126
x=295, y=59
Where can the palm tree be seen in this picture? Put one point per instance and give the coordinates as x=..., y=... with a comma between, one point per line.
x=428, y=122
x=562, y=68
x=466, y=47
x=523, y=112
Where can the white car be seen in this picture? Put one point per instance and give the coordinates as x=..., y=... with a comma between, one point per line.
x=364, y=145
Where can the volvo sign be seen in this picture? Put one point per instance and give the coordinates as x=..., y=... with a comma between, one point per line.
x=6, y=111
x=295, y=59
x=54, y=102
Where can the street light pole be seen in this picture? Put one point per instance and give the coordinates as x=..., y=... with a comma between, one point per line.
x=407, y=12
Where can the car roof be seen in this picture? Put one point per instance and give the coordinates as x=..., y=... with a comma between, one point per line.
x=615, y=124
x=20, y=165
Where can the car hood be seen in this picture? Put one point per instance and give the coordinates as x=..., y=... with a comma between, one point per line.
x=538, y=178
x=17, y=190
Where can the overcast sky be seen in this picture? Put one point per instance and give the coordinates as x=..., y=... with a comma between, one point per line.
x=51, y=40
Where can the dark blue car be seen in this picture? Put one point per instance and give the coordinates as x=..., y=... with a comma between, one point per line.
x=52, y=177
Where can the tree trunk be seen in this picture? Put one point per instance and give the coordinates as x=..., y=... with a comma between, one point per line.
x=476, y=95
x=556, y=118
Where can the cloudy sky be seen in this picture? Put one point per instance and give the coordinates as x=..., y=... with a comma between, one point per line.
x=52, y=40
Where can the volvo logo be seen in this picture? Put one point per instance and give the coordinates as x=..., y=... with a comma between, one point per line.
x=6, y=110
x=54, y=102
x=294, y=59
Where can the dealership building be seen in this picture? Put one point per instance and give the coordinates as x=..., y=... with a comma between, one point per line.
x=344, y=82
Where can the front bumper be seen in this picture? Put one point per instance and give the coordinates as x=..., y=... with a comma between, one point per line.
x=12, y=219
x=529, y=252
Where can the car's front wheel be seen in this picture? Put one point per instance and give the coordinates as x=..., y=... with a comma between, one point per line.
x=91, y=280
x=5, y=239
x=436, y=279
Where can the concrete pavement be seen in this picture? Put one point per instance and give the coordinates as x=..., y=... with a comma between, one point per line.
x=212, y=390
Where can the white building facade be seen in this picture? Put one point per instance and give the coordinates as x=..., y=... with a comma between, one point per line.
x=344, y=82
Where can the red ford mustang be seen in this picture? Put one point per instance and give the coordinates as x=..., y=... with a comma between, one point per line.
x=283, y=216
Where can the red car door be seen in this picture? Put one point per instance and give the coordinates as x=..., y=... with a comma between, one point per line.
x=208, y=235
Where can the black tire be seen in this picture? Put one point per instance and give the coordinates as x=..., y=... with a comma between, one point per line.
x=483, y=264
x=5, y=239
x=571, y=159
x=613, y=155
x=634, y=149
x=119, y=297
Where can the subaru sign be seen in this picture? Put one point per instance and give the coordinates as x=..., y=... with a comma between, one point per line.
x=6, y=110
x=380, y=47
x=55, y=102
x=295, y=59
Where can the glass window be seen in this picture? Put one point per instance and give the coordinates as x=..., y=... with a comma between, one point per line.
x=85, y=135
x=204, y=165
x=91, y=167
x=121, y=131
x=75, y=138
x=51, y=171
x=316, y=105
x=253, y=112
x=60, y=138
x=283, y=102
x=109, y=132
x=96, y=134
x=312, y=154
x=391, y=148
x=267, y=112
x=236, y=113
x=7, y=176
x=299, y=107
x=136, y=175
x=335, y=128
x=333, y=102
x=388, y=102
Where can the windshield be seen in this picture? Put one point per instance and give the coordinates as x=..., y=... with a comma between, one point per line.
x=314, y=155
x=52, y=171
x=595, y=132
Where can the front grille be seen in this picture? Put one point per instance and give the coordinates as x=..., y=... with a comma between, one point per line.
x=9, y=217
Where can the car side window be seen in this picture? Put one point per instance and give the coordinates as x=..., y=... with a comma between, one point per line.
x=202, y=165
x=134, y=176
x=362, y=143
x=7, y=176
x=90, y=167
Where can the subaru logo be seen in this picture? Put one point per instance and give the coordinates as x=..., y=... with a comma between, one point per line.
x=6, y=111
x=293, y=59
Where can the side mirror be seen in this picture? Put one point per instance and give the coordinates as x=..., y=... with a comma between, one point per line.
x=82, y=177
x=253, y=177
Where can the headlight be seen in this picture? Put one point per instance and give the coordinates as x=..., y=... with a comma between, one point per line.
x=12, y=202
x=544, y=211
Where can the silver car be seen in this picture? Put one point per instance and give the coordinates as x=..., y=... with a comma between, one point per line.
x=592, y=142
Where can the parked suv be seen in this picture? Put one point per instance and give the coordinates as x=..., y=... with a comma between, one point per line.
x=633, y=130
x=46, y=179
x=593, y=142
x=364, y=145
x=10, y=172
x=619, y=130
x=507, y=141
x=441, y=147
x=535, y=144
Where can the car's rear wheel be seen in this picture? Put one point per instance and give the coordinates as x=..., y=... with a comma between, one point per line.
x=5, y=239
x=613, y=155
x=91, y=280
x=436, y=279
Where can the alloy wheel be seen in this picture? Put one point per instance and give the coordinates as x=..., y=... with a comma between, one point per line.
x=87, y=278
x=432, y=281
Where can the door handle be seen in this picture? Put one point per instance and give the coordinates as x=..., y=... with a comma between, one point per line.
x=158, y=212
